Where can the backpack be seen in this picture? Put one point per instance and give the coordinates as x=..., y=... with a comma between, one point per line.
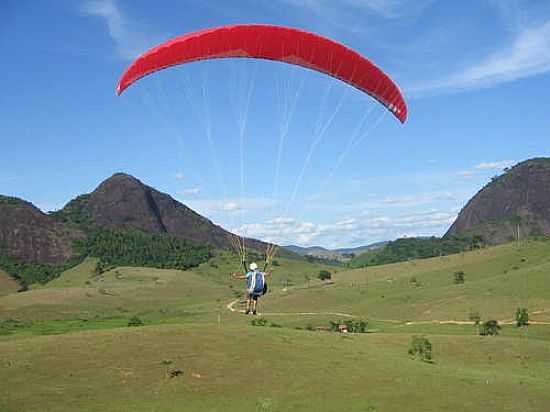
x=258, y=283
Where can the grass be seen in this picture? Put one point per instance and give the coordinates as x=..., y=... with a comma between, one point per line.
x=154, y=293
x=122, y=370
x=7, y=284
x=67, y=346
x=498, y=280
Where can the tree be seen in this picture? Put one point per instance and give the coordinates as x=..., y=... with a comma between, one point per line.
x=421, y=348
x=522, y=317
x=477, y=242
x=324, y=275
x=490, y=328
x=459, y=277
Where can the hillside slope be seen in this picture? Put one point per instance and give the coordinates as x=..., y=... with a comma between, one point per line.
x=31, y=235
x=498, y=280
x=122, y=202
x=518, y=199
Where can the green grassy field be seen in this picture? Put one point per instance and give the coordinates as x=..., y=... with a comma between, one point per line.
x=66, y=346
x=497, y=281
x=122, y=370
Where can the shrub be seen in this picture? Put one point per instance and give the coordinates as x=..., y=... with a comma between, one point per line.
x=324, y=275
x=135, y=321
x=522, y=317
x=102, y=267
x=421, y=348
x=459, y=277
x=490, y=328
x=333, y=326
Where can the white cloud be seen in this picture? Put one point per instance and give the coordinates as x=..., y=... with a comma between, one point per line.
x=418, y=199
x=483, y=166
x=334, y=11
x=392, y=8
x=130, y=40
x=231, y=206
x=191, y=191
x=220, y=207
x=467, y=173
x=348, y=231
x=526, y=56
x=179, y=176
x=502, y=164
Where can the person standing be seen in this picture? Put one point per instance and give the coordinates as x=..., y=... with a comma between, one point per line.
x=255, y=286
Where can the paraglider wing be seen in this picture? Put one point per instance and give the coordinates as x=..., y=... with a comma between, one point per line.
x=278, y=43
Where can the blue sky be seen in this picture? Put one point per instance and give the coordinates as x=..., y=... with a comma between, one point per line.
x=476, y=75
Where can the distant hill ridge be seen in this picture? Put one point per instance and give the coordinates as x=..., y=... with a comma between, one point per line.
x=341, y=254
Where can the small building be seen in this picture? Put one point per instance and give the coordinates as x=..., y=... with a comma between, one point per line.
x=343, y=328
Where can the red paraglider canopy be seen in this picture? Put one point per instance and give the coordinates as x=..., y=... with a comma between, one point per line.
x=278, y=43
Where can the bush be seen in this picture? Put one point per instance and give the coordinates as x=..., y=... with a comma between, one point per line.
x=490, y=328
x=135, y=321
x=101, y=267
x=325, y=275
x=522, y=317
x=459, y=277
x=421, y=348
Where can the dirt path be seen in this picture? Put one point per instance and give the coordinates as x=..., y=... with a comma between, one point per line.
x=230, y=307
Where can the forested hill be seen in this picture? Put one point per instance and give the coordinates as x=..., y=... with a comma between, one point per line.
x=404, y=249
x=122, y=222
x=124, y=203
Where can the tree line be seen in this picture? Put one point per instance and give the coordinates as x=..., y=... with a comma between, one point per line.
x=415, y=248
x=114, y=249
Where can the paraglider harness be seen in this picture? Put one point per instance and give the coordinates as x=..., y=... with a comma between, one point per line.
x=240, y=248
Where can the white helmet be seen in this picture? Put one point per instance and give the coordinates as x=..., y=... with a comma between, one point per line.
x=253, y=266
